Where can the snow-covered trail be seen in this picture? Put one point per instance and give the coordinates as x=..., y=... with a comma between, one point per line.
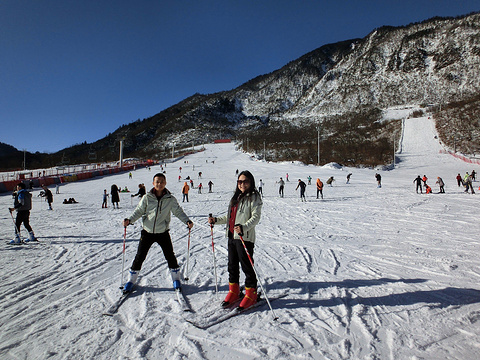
x=370, y=273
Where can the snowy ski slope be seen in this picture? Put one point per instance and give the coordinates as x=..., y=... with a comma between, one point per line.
x=371, y=273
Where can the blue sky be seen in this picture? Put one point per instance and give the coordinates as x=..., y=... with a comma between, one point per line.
x=76, y=70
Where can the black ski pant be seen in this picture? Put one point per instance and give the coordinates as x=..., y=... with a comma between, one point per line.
x=280, y=191
x=23, y=216
x=236, y=257
x=146, y=241
x=319, y=191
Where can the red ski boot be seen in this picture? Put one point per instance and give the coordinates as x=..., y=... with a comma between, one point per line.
x=249, y=299
x=233, y=294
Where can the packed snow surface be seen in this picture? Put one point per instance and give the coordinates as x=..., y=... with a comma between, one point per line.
x=369, y=273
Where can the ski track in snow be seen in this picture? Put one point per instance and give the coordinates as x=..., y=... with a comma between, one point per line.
x=371, y=273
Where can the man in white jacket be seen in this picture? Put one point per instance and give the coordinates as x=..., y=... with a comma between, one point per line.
x=155, y=209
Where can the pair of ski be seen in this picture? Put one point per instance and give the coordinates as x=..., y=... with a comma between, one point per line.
x=216, y=316
x=112, y=310
x=206, y=319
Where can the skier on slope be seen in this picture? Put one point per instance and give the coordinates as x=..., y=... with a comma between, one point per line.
x=468, y=183
x=105, y=198
x=418, y=182
x=441, y=184
x=141, y=191
x=282, y=186
x=424, y=179
x=22, y=204
x=243, y=215
x=459, y=180
x=330, y=180
x=155, y=209
x=185, y=190
x=348, y=178
x=319, y=187
x=302, y=186
x=115, y=195
x=48, y=196
x=260, y=187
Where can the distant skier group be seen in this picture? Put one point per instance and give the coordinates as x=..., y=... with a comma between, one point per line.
x=465, y=181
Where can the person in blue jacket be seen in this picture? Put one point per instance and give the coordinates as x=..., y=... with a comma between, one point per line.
x=22, y=204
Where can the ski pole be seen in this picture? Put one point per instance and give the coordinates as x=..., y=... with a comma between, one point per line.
x=214, y=260
x=123, y=251
x=14, y=224
x=188, y=253
x=275, y=317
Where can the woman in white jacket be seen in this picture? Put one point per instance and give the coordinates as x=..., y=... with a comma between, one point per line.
x=155, y=208
x=243, y=215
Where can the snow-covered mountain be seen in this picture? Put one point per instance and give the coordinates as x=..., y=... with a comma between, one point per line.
x=435, y=62
x=431, y=65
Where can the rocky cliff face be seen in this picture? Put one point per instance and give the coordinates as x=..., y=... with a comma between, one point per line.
x=434, y=62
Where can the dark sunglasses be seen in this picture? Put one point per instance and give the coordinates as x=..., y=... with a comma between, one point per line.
x=240, y=182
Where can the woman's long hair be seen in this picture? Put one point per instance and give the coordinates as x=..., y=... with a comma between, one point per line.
x=238, y=195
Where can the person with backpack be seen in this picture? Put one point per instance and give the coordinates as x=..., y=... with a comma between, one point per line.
x=468, y=183
x=155, y=208
x=319, y=188
x=330, y=180
x=243, y=215
x=22, y=204
x=441, y=184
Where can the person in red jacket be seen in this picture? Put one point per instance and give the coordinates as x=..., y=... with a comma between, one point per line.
x=424, y=179
x=459, y=180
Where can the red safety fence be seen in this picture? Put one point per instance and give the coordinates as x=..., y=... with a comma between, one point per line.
x=35, y=182
x=462, y=157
